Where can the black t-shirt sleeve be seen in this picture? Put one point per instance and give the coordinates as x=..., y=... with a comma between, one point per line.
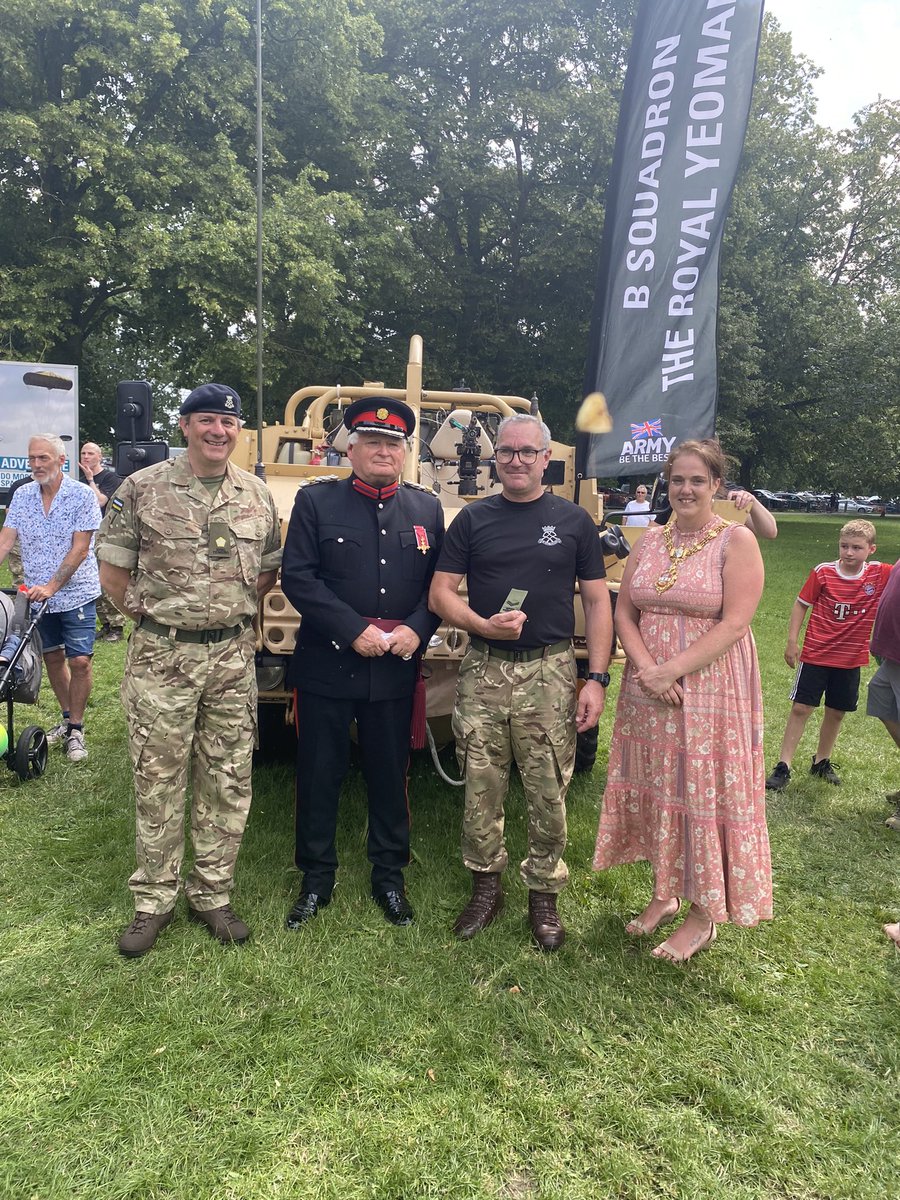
x=454, y=556
x=109, y=483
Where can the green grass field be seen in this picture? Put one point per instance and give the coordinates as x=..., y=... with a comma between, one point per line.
x=355, y=1060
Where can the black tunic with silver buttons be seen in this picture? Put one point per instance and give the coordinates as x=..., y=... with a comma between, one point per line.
x=347, y=558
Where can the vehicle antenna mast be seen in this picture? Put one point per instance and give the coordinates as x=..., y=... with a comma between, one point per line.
x=259, y=469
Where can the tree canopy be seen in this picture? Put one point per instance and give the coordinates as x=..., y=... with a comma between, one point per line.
x=432, y=166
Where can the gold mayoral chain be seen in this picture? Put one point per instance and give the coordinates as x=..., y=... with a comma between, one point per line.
x=677, y=555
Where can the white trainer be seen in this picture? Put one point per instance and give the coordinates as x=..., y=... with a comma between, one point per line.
x=58, y=733
x=76, y=751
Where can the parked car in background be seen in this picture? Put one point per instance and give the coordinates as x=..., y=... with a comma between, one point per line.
x=881, y=505
x=770, y=499
x=792, y=501
x=615, y=499
x=813, y=501
x=848, y=505
x=878, y=503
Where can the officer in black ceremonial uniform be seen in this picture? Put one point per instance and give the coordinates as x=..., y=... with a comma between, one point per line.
x=358, y=560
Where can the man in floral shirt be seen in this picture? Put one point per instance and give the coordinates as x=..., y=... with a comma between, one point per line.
x=54, y=519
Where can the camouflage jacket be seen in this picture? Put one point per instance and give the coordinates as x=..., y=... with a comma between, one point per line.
x=194, y=560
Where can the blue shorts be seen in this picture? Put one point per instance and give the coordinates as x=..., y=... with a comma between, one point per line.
x=72, y=631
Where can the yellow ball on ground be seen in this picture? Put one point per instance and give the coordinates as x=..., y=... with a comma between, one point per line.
x=4, y=740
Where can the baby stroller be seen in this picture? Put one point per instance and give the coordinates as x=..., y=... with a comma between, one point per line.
x=20, y=681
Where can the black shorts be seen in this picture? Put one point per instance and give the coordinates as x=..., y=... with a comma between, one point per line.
x=840, y=686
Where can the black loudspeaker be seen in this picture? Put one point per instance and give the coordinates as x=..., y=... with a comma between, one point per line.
x=130, y=458
x=134, y=412
x=554, y=473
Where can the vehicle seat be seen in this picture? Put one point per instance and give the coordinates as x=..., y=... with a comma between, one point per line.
x=449, y=435
x=292, y=451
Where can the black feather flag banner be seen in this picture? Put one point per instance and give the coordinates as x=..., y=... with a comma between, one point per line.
x=684, y=111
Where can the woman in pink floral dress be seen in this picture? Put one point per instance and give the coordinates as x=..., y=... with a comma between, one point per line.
x=686, y=783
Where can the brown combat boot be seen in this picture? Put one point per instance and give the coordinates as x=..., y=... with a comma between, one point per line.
x=486, y=903
x=141, y=934
x=223, y=923
x=546, y=927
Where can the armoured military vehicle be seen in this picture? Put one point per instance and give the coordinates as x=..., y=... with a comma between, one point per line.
x=450, y=452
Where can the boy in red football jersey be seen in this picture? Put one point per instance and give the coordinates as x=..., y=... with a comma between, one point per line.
x=841, y=598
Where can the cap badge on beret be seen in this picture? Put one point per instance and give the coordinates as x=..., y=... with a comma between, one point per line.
x=211, y=398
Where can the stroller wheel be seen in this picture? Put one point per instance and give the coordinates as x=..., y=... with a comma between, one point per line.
x=31, y=753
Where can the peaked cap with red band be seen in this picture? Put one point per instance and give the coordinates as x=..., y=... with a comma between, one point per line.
x=380, y=414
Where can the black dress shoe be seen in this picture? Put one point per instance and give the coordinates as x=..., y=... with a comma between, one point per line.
x=308, y=904
x=395, y=906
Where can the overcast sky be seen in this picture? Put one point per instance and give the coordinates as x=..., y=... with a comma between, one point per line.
x=855, y=42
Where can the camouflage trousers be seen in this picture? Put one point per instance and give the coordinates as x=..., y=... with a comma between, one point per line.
x=523, y=711
x=108, y=615
x=191, y=709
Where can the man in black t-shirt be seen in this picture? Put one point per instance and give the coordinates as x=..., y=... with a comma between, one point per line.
x=104, y=483
x=521, y=553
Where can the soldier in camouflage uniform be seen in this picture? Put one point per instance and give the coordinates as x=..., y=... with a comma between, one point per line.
x=187, y=548
x=521, y=553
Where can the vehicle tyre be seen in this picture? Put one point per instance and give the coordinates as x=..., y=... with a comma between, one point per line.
x=31, y=753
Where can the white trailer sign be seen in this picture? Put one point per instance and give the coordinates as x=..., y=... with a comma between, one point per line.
x=35, y=398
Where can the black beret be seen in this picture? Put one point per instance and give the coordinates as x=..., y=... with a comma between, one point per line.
x=380, y=414
x=212, y=398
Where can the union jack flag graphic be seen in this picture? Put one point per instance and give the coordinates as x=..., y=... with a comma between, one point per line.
x=647, y=429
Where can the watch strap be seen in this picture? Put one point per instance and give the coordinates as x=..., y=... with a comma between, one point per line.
x=601, y=677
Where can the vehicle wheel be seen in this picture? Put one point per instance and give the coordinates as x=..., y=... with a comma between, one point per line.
x=586, y=749
x=31, y=753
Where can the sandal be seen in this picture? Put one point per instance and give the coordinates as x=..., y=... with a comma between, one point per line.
x=641, y=928
x=678, y=957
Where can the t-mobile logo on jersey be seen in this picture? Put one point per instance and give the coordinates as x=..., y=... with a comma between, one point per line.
x=841, y=610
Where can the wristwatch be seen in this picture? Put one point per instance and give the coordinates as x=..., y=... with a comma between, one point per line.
x=601, y=677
